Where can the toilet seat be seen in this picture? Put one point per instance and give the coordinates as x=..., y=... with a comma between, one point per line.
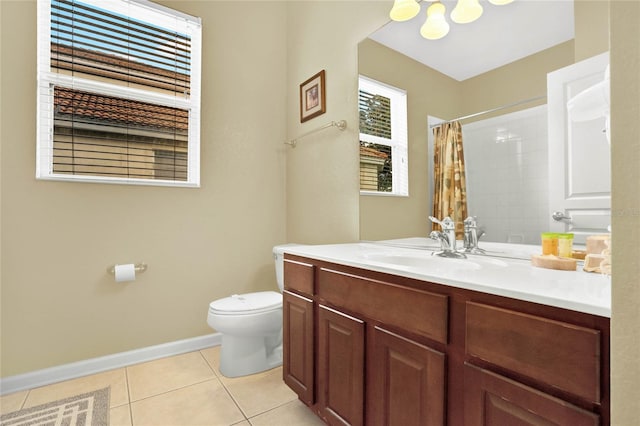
x=248, y=303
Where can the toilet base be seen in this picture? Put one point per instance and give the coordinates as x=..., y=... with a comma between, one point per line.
x=241, y=356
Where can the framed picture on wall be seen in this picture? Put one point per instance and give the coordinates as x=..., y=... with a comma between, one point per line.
x=312, y=97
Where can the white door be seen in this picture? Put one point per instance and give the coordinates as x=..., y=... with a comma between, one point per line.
x=579, y=154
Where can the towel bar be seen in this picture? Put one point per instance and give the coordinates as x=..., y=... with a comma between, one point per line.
x=341, y=125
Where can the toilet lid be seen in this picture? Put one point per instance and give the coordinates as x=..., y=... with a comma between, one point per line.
x=249, y=303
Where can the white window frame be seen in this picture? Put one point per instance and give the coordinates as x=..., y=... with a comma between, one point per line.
x=399, y=135
x=47, y=80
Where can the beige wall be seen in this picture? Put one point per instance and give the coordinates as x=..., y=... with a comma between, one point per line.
x=591, y=27
x=514, y=82
x=322, y=171
x=58, y=303
x=625, y=157
x=428, y=93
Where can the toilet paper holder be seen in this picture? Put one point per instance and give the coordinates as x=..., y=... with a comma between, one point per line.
x=138, y=267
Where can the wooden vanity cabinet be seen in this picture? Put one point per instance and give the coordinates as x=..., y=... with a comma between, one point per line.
x=551, y=355
x=405, y=381
x=560, y=354
x=298, y=330
x=367, y=348
x=494, y=400
x=340, y=367
x=298, y=345
x=366, y=370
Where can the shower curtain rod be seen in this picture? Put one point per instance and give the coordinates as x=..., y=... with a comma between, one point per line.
x=525, y=101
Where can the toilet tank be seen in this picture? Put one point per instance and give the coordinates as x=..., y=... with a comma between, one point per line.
x=278, y=255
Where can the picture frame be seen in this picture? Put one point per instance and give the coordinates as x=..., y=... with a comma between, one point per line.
x=312, y=97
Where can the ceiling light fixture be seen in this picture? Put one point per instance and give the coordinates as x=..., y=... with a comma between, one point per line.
x=436, y=25
x=466, y=11
x=403, y=10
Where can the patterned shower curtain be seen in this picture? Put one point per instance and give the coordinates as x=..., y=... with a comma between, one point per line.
x=450, y=189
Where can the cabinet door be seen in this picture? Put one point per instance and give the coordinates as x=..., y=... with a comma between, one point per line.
x=340, y=368
x=297, y=334
x=406, y=382
x=494, y=400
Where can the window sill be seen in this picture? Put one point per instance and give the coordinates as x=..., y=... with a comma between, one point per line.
x=382, y=194
x=119, y=181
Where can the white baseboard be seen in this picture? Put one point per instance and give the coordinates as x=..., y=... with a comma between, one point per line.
x=74, y=370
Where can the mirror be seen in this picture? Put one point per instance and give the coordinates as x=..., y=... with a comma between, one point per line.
x=470, y=88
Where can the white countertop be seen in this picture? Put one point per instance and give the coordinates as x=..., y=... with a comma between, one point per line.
x=515, y=278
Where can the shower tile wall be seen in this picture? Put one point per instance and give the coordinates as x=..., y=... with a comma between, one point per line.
x=507, y=175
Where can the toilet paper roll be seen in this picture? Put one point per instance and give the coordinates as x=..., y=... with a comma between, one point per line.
x=126, y=272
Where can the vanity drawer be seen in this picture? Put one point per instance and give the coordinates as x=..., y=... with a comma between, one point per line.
x=413, y=310
x=298, y=276
x=555, y=353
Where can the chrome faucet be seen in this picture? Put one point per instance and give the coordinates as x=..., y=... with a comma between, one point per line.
x=447, y=237
x=471, y=235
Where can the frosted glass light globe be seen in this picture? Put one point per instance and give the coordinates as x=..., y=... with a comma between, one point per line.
x=403, y=10
x=466, y=11
x=436, y=25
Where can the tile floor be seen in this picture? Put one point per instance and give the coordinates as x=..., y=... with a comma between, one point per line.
x=182, y=390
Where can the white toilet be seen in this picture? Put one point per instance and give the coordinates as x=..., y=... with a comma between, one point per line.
x=251, y=327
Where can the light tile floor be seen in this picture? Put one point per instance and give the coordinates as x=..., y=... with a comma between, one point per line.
x=182, y=390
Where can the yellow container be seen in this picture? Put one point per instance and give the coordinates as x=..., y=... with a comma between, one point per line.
x=549, y=243
x=565, y=245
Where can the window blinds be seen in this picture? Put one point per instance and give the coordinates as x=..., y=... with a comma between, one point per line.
x=119, y=92
x=383, y=138
x=375, y=114
x=376, y=162
x=92, y=41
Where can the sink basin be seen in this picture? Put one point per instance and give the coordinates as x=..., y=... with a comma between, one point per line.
x=429, y=262
x=502, y=250
x=488, y=261
x=434, y=263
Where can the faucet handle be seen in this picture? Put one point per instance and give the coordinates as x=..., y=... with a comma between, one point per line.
x=446, y=224
x=435, y=220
